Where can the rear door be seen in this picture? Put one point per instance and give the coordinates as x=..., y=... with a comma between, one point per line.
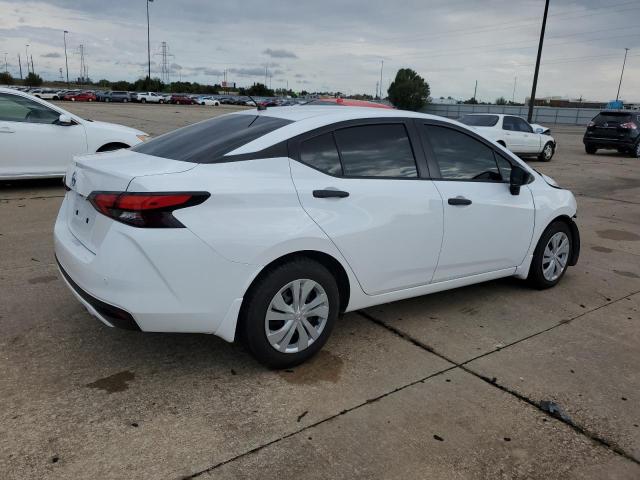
x=32, y=141
x=514, y=138
x=530, y=139
x=361, y=183
x=486, y=228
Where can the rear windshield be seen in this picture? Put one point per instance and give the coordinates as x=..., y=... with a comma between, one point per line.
x=480, y=120
x=209, y=141
x=612, y=119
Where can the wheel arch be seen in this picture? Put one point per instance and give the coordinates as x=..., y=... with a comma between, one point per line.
x=575, y=236
x=502, y=142
x=107, y=147
x=328, y=261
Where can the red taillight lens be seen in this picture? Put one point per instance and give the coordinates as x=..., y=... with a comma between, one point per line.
x=629, y=126
x=145, y=210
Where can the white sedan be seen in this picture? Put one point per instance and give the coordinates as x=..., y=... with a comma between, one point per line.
x=208, y=101
x=265, y=225
x=513, y=133
x=39, y=139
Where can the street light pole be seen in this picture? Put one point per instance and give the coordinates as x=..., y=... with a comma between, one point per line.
x=66, y=60
x=6, y=65
x=532, y=99
x=148, y=43
x=26, y=49
x=626, y=50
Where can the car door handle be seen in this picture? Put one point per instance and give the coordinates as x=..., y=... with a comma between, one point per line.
x=459, y=201
x=327, y=193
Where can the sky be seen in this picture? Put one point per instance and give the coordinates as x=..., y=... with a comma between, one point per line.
x=340, y=45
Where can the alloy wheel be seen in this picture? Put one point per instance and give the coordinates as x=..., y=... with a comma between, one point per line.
x=548, y=152
x=296, y=316
x=555, y=257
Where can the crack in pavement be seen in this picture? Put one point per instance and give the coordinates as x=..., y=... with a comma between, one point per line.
x=590, y=435
x=593, y=436
x=319, y=422
x=39, y=197
x=606, y=198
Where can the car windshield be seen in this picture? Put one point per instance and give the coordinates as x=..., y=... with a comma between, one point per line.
x=480, y=120
x=209, y=141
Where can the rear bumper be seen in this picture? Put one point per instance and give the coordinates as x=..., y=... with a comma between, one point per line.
x=603, y=142
x=108, y=314
x=155, y=280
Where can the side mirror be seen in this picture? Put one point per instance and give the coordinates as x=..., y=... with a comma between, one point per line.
x=65, y=120
x=519, y=177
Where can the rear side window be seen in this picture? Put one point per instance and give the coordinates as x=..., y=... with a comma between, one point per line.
x=320, y=152
x=209, y=141
x=376, y=151
x=480, y=120
x=462, y=157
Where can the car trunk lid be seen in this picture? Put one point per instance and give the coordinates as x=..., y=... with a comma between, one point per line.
x=107, y=172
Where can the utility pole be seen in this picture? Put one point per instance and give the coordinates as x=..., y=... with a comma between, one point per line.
x=82, y=69
x=475, y=90
x=532, y=99
x=66, y=61
x=148, y=43
x=626, y=50
x=381, y=67
x=26, y=56
x=513, y=95
x=6, y=65
x=33, y=70
x=20, y=66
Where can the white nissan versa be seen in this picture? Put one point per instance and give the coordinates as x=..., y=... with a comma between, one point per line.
x=265, y=225
x=39, y=139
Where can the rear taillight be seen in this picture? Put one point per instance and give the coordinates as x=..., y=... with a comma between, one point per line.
x=145, y=210
x=629, y=126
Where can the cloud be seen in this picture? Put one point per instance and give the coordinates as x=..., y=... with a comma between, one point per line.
x=175, y=66
x=52, y=55
x=279, y=53
x=248, y=72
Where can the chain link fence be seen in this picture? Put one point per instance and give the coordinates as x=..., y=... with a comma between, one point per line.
x=541, y=115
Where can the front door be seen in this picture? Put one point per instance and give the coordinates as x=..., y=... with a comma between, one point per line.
x=33, y=143
x=486, y=228
x=360, y=184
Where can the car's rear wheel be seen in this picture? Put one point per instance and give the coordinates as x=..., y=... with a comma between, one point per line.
x=144, y=100
x=547, y=153
x=635, y=152
x=551, y=256
x=289, y=314
x=125, y=100
x=590, y=149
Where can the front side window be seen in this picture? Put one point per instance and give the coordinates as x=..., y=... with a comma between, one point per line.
x=522, y=126
x=509, y=123
x=376, y=151
x=462, y=157
x=320, y=152
x=14, y=108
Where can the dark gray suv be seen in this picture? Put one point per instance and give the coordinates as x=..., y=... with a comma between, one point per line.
x=614, y=129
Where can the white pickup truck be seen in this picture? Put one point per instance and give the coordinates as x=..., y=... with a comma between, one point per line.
x=513, y=133
x=149, y=97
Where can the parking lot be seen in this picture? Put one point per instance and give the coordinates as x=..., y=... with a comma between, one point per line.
x=489, y=381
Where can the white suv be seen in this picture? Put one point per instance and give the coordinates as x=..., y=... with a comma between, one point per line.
x=513, y=133
x=265, y=225
x=149, y=97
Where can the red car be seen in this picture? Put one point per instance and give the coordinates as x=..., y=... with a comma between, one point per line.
x=80, y=97
x=348, y=102
x=182, y=100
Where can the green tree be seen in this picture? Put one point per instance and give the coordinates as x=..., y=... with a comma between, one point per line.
x=501, y=101
x=409, y=91
x=104, y=83
x=33, y=80
x=259, y=90
x=6, y=78
x=471, y=101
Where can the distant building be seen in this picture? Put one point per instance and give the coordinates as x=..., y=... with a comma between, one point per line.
x=443, y=101
x=567, y=102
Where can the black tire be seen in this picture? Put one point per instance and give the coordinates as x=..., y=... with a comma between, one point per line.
x=590, y=149
x=545, y=156
x=125, y=100
x=144, y=100
x=536, y=276
x=257, y=301
x=635, y=151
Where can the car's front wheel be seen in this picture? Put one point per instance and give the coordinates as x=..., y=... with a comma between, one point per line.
x=635, y=151
x=590, y=149
x=551, y=256
x=547, y=153
x=289, y=313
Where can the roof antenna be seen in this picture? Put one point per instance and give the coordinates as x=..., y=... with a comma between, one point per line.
x=260, y=107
